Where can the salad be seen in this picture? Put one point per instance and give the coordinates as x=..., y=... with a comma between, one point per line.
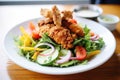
x=58, y=41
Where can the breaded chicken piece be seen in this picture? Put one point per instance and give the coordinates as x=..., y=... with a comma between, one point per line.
x=65, y=23
x=56, y=16
x=67, y=14
x=52, y=14
x=46, y=13
x=45, y=21
x=59, y=34
x=59, y=28
x=75, y=28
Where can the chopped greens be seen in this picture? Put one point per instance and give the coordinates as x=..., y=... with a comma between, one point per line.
x=87, y=43
x=86, y=30
x=46, y=38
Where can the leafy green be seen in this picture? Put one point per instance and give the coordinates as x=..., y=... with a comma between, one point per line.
x=17, y=41
x=21, y=52
x=45, y=38
x=82, y=39
x=70, y=63
x=77, y=41
x=84, y=62
x=101, y=43
x=74, y=62
x=86, y=30
x=29, y=55
x=33, y=42
x=87, y=33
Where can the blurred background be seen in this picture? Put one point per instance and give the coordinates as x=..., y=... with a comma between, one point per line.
x=18, y=2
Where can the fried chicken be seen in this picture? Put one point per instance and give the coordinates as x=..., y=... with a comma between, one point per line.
x=67, y=14
x=46, y=13
x=59, y=34
x=45, y=21
x=52, y=14
x=56, y=16
x=58, y=27
x=75, y=28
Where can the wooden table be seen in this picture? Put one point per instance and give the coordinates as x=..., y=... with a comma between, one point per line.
x=108, y=71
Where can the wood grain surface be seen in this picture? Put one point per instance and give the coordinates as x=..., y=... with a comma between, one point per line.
x=108, y=71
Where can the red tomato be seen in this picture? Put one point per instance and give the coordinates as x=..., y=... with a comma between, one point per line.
x=35, y=34
x=72, y=21
x=31, y=26
x=80, y=53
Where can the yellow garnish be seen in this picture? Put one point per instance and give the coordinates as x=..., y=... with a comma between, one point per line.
x=23, y=31
x=27, y=42
x=25, y=38
x=34, y=57
x=93, y=53
x=31, y=48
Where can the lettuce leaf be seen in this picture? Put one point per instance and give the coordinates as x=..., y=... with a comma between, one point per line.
x=46, y=38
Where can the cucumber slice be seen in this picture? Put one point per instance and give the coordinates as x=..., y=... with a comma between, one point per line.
x=47, y=60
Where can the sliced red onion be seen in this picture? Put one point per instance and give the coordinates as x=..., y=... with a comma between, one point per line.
x=64, y=58
x=52, y=48
x=73, y=58
x=95, y=37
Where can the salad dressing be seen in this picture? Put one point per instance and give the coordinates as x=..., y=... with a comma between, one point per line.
x=87, y=13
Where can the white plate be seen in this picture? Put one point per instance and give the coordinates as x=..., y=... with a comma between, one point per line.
x=106, y=53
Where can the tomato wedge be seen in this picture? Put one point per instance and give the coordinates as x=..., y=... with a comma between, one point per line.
x=80, y=53
x=34, y=32
x=72, y=21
